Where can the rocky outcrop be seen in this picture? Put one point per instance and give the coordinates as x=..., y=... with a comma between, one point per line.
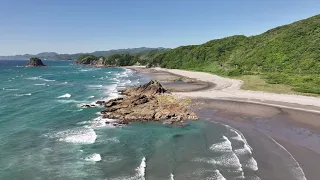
x=149, y=102
x=35, y=62
x=150, y=89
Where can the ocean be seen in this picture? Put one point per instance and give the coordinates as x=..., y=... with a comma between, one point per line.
x=46, y=134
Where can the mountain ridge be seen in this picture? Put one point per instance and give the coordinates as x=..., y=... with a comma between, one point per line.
x=57, y=56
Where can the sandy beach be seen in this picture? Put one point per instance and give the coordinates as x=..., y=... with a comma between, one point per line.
x=282, y=129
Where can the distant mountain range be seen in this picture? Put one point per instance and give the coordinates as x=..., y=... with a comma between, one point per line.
x=56, y=56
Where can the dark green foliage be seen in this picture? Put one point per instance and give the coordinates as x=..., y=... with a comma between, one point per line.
x=288, y=54
x=35, y=59
x=86, y=59
x=121, y=60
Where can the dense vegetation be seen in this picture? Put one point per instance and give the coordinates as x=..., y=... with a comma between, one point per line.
x=124, y=59
x=288, y=54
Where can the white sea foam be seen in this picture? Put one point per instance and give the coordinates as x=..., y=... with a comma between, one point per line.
x=217, y=176
x=39, y=78
x=114, y=139
x=65, y=96
x=296, y=169
x=80, y=135
x=224, y=146
x=34, y=78
x=64, y=101
x=141, y=170
x=240, y=137
x=90, y=97
x=91, y=69
x=251, y=163
x=171, y=176
x=40, y=84
x=101, y=122
x=229, y=160
x=94, y=157
x=28, y=94
x=48, y=79
x=9, y=89
x=99, y=86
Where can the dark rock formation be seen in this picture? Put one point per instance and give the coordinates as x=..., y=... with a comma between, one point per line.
x=150, y=89
x=35, y=62
x=149, y=102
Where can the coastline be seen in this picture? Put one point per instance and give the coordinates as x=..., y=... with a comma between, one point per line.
x=267, y=122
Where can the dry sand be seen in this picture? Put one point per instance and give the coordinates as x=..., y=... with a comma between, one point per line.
x=229, y=89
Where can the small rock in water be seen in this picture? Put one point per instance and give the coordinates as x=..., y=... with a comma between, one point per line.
x=100, y=103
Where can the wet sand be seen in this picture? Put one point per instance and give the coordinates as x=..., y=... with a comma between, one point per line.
x=284, y=136
x=264, y=127
x=173, y=82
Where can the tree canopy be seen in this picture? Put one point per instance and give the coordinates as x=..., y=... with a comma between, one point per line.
x=288, y=54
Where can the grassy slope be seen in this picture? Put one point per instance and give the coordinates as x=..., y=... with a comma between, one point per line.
x=288, y=55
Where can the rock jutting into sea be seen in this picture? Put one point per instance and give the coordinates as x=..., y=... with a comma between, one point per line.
x=149, y=102
x=35, y=62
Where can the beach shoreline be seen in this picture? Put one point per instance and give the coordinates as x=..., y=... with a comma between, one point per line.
x=267, y=123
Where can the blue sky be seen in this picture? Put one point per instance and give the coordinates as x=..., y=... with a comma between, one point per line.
x=70, y=26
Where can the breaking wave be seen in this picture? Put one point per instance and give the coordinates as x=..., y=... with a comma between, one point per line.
x=28, y=94
x=93, y=157
x=39, y=78
x=9, y=89
x=80, y=135
x=65, y=96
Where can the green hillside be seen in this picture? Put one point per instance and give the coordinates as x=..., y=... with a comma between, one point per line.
x=287, y=55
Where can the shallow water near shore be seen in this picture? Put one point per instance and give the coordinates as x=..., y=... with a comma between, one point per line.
x=45, y=134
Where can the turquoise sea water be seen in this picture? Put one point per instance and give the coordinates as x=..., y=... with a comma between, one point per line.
x=45, y=134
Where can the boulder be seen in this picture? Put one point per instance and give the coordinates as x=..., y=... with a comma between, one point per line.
x=100, y=103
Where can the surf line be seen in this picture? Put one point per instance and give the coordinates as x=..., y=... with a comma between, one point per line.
x=301, y=175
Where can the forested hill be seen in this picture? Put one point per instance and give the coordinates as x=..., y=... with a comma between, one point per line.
x=288, y=54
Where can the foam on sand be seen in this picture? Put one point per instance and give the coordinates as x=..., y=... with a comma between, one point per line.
x=93, y=157
x=296, y=169
x=65, y=96
x=80, y=135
